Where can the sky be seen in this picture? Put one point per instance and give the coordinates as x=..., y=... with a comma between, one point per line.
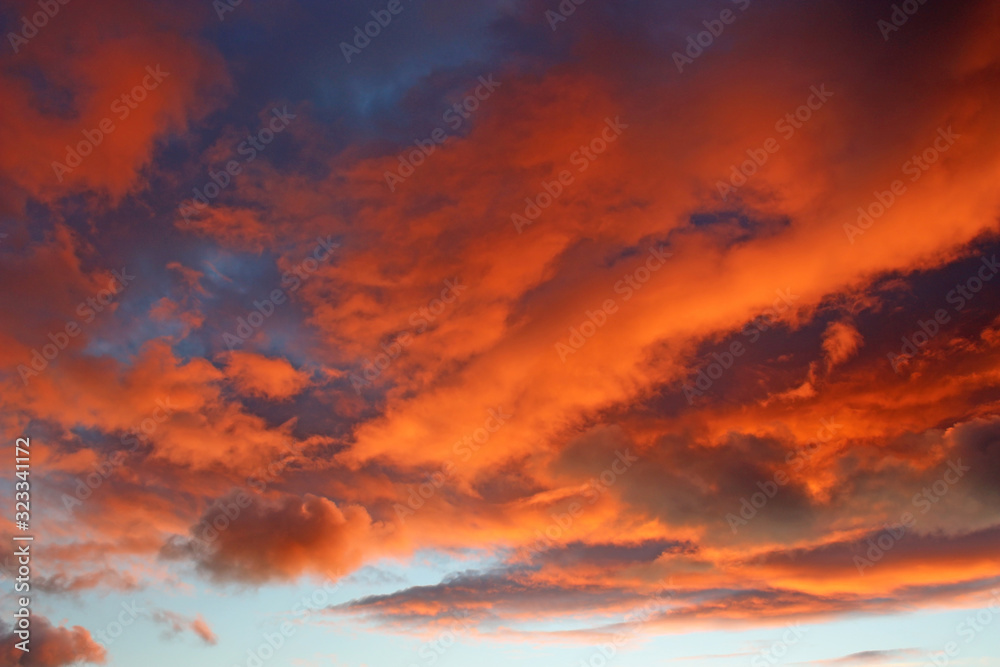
x=586, y=333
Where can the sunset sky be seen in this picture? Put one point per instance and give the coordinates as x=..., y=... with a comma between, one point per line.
x=399, y=333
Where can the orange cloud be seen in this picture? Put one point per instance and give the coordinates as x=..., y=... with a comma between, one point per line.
x=537, y=412
x=98, y=55
x=257, y=375
x=51, y=646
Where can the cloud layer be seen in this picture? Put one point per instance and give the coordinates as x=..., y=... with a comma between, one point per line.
x=731, y=325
